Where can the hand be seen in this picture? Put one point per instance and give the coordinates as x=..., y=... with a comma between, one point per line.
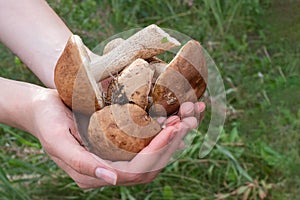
x=146, y=165
x=54, y=124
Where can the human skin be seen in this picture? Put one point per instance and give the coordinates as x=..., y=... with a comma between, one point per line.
x=39, y=110
x=34, y=32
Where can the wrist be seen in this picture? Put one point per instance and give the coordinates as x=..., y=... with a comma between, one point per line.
x=16, y=103
x=45, y=103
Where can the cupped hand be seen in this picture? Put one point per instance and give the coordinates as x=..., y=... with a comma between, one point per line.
x=55, y=128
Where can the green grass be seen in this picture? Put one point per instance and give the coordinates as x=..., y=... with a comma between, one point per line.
x=256, y=47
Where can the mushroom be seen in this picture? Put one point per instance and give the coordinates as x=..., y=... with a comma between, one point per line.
x=74, y=83
x=112, y=44
x=132, y=85
x=119, y=132
x=184, y=79
x=76, y=75
x=156, y=64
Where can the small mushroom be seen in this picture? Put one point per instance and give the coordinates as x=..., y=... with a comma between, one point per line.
x=132, y=85
x=183, y=80
x=119, y=132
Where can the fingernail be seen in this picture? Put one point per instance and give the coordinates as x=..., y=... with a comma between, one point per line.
x=172, y=120
x=189, y=110
x=191, y=122
x=161, y=120
x=186, y=109
x=199, y=107
x=106, y=175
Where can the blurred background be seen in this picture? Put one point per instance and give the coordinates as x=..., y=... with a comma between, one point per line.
x=256, y=47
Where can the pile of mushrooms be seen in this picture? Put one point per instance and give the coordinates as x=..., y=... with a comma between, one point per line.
x=122, y=117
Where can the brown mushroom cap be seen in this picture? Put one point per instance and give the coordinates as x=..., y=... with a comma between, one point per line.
x=118, y=132
x=74, y=85
x=183, y=80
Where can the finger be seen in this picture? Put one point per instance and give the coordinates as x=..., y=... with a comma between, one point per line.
x=83, y=181
x=172, y=147
x=161, y=140
x=190, y=122
x=186, y=109
x=157, y=156
x=147, y=158
x=76, y=156
x=137, y=178
x=199, y=110
x=172, y=120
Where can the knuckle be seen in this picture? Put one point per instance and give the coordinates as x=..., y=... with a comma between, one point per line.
x=137, y=178
x=77, y=164
x=48, y=147
x=149, y=178
x=143, y=178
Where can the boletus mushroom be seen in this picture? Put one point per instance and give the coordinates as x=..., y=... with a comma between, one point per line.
x=119, y=132
x=132, y=85
x=183, y=80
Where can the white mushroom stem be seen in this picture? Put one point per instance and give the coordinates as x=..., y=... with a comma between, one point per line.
x=144, y=44
x=112, y=44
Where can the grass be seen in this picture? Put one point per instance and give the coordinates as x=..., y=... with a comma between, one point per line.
x=255, y=45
